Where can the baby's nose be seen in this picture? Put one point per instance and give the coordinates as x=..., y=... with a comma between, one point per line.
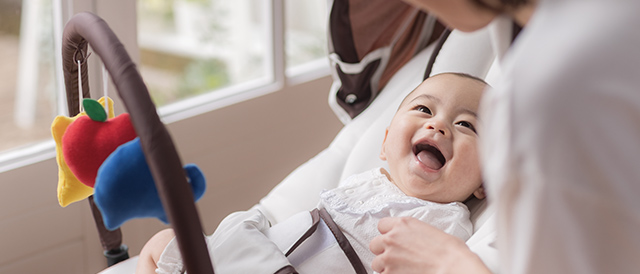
x=438, y=127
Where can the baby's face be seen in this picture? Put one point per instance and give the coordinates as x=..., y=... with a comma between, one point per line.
x=431, y=143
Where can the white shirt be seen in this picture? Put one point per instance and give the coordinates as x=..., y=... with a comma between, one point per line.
x=561, y=141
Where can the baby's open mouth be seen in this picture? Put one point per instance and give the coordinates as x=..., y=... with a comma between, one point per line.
x=430, y=156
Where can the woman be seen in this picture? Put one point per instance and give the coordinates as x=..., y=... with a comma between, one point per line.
x=561, y=139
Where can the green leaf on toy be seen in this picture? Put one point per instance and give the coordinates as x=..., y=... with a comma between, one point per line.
x=94, y=110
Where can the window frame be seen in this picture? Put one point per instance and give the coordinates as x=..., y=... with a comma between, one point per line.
x=278, y=75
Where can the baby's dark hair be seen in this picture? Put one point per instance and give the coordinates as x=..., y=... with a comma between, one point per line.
x=466, y=75
x=460, y=74
x=503, y=4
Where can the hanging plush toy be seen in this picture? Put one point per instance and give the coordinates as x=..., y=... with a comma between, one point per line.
x=70, y=188
x=90, y=139
x=126, y=190
x=94, y=149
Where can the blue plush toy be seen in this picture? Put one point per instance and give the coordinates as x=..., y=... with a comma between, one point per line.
x=126, y=190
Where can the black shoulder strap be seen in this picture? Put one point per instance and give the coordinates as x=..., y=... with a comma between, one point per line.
x=515, y=30
x=434, y=54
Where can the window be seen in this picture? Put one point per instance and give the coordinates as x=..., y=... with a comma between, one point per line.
x=195, y=56
x=28, y=79
x=191, y=47
x=306, y=38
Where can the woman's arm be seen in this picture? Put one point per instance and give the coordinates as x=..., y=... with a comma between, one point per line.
x=408, y=245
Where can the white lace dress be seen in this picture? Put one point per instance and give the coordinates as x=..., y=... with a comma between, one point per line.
x=363, y=199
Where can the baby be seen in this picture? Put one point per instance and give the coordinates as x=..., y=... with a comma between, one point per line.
x=431, y=149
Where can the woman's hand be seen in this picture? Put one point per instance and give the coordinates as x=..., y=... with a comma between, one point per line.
x=408, y=245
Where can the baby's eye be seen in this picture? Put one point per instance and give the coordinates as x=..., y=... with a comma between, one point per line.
x=467, y=125
x=424, y=109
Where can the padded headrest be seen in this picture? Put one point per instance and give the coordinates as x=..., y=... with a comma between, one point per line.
x=356, y=147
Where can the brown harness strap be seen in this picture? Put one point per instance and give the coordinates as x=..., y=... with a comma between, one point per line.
x=315, y=218
x=287, y=270
x=342, y=240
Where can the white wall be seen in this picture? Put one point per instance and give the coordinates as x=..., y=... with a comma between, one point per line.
x=244, y=150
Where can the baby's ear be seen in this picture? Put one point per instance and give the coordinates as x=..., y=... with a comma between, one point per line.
x=479, y=193
x=383, y=155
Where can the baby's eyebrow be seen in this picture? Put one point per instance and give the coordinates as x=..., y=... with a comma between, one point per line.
x=470, y=112
x=427, y=96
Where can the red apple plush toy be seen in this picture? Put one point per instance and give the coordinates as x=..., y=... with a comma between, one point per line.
x=90, y=139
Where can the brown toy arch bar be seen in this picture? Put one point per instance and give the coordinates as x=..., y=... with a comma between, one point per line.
x=163, y=160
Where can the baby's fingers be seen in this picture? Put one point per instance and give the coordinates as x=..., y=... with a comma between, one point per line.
x=378, y=264
x=377, y=245
x=386, y=224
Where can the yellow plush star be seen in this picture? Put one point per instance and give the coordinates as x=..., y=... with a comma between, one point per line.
x=70, y=189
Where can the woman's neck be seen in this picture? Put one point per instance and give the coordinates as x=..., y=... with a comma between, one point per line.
x=523, y=14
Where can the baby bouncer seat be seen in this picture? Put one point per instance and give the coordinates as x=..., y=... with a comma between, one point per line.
x=379, y=52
